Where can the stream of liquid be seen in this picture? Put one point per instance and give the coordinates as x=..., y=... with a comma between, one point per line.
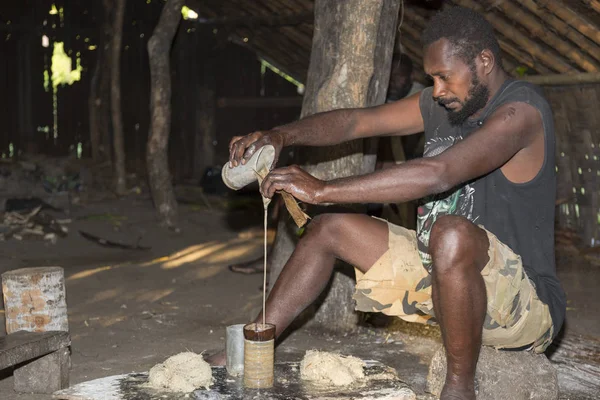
x=266, y=207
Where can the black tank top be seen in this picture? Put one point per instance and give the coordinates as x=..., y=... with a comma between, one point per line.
x=520, y=215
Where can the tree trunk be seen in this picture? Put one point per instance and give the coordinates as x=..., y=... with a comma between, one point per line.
x=349, y=67
x=99, y=99
x=115, y=98
x=159, y=47
x=206, y=125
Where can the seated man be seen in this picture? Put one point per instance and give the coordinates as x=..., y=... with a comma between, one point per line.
x=481, y=263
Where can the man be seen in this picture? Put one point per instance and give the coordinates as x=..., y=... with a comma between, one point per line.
x=481, y=263
x=400, y=85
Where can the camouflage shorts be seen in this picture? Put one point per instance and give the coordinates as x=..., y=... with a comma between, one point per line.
x=398, y=285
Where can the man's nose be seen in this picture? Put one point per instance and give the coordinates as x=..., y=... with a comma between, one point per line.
x=439, y=89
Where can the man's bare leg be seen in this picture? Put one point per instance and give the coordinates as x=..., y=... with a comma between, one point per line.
x=357, y=239
x=460, y=251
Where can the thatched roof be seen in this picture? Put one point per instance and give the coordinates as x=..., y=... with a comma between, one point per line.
x=537, y=36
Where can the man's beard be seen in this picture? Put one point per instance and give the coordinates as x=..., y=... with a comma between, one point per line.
x=476, y=99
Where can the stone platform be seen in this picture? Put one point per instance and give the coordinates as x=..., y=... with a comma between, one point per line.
x=383, y=384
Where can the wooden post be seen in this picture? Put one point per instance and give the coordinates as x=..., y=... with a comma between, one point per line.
x=26, y=130
x=159, y=47
x=349, y=67
x=99, y=100
x=115, y=99
x=34, y=300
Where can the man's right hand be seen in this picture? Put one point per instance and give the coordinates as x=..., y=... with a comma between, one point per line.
x=241, y=148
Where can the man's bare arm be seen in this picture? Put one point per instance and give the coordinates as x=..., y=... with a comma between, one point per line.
x=334, y=127
x=510, y=129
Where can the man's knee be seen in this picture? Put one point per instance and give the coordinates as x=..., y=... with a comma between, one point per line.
x=327, y=227
x=454, y=240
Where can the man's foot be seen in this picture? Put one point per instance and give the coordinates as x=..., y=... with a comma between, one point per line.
x=249, y=267
x=216, y=360
x=453, y=393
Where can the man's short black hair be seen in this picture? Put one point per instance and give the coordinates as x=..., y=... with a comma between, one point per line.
x=467, y=30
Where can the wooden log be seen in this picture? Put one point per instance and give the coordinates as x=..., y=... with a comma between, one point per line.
x=532, y=24
x=349, y=67
x=159, y=177
x=552, y=60
x=561, y=10
x=35, y=300
x=564, y=79
x=563, y=28
x=522, y=57
x=593, y=4
x=115, y=99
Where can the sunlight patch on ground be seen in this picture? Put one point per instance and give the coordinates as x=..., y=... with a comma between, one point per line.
x=89, y=272
x=154, y=295
x=209, y=272
x=106, y=294
x=210, y=253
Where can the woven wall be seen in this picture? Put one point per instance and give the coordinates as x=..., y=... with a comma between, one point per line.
x=577, y=122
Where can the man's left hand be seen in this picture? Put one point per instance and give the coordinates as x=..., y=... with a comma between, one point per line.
x=294, y=180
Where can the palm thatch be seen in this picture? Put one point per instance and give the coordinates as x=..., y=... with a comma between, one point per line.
x=537, y=37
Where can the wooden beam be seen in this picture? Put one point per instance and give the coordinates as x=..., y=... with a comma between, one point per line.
x=564, y=79
x=593, y=4
x=533, y=25
x=553, y=61
x=506, y=46
x=260, y=20
x=259, y=102
x=522, y=57
x=560, y=9
x=563, y=28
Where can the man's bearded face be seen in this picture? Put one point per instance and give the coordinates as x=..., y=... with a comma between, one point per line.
x=477, y=98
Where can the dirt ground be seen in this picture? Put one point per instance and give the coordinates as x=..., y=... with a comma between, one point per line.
x=130, y=309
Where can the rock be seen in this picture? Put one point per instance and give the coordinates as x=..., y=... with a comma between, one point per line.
x=503, y=375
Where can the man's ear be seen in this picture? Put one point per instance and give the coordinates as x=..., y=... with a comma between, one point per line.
x=488, y=61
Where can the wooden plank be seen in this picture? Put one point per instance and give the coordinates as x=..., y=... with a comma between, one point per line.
x=564, y=79
x=24, y=346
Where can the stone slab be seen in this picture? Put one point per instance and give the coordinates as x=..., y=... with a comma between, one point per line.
x=23, y=346
x=503, y=375
x=46, y=374
x=288, y=386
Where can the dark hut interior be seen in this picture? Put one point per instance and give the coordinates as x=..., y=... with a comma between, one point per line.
x=237, y=66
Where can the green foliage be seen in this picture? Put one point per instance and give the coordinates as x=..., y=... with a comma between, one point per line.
x=188, y=13
x=62, y=73
x=521, y=70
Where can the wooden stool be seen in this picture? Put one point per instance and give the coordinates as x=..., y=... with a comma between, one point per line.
x=37, y=329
